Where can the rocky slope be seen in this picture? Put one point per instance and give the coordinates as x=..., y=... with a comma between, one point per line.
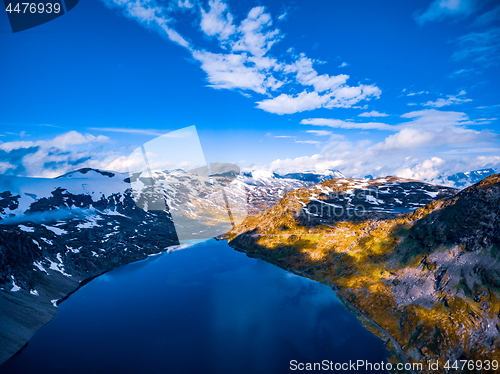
x=430, y=278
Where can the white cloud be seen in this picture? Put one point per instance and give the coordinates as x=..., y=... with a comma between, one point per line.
x=488, y=17
x=450, y=100
x=150, y=14
x=343, y=65
x=53, y=157
x=61, y=141
x=184, y=4
x=129, y=130
x=441, y=9
x=418, y=149
x=343, y=97
x=436, y=118
x=307, y=142
x=436, y=169
x=247, y=66
x=427, y=170
x=373, y=113
x=341, y=124
x=319, y=132
x=462, y=72
x=287, y=104
x=307, y=76
x=284, y=136
x=433, y=128
x=217, y=21
x=233, y=71
x=254, y=38
x=481, y=47
x=281, y=17
x=74, y=138
x=346, y=96
x=4, y=166
x=417, y=93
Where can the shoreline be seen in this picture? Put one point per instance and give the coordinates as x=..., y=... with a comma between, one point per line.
x=349, y=306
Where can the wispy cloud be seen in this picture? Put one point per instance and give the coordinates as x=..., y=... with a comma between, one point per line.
x=373, y=113
x=438, y=10
x=480, y=47
x=52, y=157
x=150, y=14
x=285, y=136
x=417, y=93
x=129, y=130
x=217, y=21
x=341, y=124
x=450, y=100
x=488, y=18
x=307, y=142
x=184, y=4
x=343, y=97
x=319, y=132
x=462, y=72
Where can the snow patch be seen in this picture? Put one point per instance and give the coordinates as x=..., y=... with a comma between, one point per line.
x=15, y=287
x=55, y=230
x=26, y=228
x=40, y=267
x=58, y=267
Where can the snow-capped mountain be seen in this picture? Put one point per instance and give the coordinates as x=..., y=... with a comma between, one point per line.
x=313, y=177
x=308, y=176
x=469, y=178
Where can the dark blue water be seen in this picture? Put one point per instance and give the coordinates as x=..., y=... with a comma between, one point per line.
x=205, y=309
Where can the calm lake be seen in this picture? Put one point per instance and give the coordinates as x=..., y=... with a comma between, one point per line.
x=203, y=309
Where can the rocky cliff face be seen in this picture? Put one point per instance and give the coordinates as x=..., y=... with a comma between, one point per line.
x=430, y=278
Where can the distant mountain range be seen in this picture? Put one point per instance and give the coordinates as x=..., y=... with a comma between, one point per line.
x=312, y=176
x=470, y=177
x=303, y=176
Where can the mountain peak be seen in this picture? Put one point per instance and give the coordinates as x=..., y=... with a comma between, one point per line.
x=90, y=171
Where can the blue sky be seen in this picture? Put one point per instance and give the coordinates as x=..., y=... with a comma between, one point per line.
x=383, y=88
